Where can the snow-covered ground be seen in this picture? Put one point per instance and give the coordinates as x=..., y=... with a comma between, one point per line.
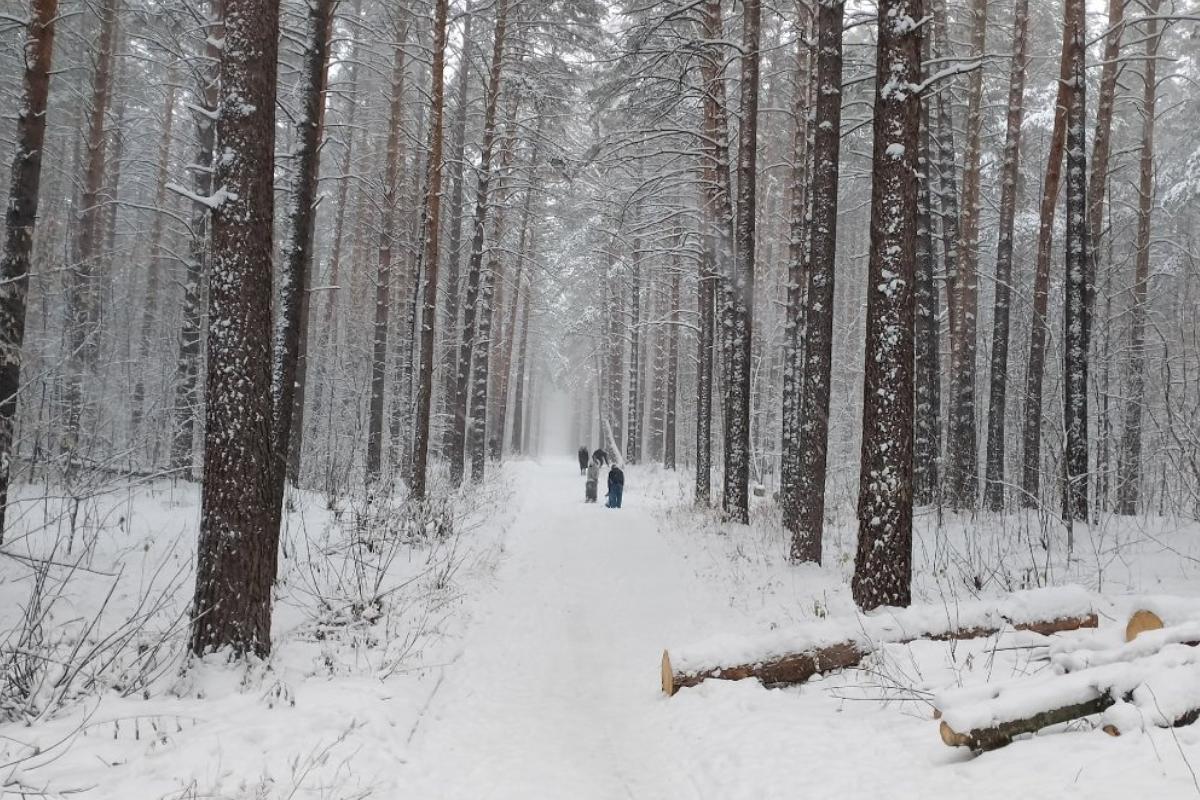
x=518, y=656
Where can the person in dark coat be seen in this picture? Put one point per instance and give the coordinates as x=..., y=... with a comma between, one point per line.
x=583, y=459
x=600, y=456
x=616, y=487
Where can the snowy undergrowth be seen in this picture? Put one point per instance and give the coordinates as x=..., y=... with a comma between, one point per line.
x=1126, y=562
x=370, y=602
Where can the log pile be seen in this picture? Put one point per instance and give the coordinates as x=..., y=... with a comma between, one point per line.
x=1152, y=679
x=794, y=656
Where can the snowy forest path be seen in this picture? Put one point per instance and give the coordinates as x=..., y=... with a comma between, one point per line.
x=555, y=694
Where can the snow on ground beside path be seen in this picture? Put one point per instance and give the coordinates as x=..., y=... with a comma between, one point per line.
x=519, y=659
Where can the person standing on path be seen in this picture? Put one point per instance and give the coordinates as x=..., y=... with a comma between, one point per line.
x=616, y=487
x=583, y=459
x=593, y=478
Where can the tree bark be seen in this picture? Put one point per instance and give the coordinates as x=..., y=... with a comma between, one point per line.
x=1129, y=467
x=807, y=523
x=883, y=567
x=1009, y=174
x=799, y=666
x=430, y=228
x=1077, y=317
x=457, y=166
x=383, y=274
x=633, y=430
x=470, y=336
x=239, y=520
x=964, y=303
x=719, y=232
x=927, y=432
x=187, y=379
x=1036, y=365
x=83, y=302
x=736, y=497
x=291, y=350
x=20, y=223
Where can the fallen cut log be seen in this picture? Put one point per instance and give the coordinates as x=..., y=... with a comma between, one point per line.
x=1164, y=686
x=822, y=646
x=1141, y=621
x=1003, y=733
x=790, y=668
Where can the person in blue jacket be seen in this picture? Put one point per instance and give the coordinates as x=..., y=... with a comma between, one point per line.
x=616, y=487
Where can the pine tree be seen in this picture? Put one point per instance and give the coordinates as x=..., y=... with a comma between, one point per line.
x=20, y=221
x=239, y=518
x=883, y=566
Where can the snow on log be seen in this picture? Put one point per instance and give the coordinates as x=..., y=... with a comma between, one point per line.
x=1164, y=686
x=797, y=654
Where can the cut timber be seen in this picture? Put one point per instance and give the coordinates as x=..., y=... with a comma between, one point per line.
x=1140, y=622
x=1163, y=689
x=791, y=668
x=1003, y=733
x=795, y=655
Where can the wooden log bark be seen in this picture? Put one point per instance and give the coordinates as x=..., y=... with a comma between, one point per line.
x=1003, y=733
x=1162, y=683
x=826, y=646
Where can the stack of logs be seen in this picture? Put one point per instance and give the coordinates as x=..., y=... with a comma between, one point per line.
x=1151, y=679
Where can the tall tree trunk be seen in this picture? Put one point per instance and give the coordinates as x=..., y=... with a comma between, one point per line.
x=671, y=399
x=383, y=275
x=82, y=301
x=1097, y=187
x=883, y=566
x=453, y=298
x=430, y=228
x=1077, y=318
x=1102, y=140
x=927, y=432
x=154, y=257
x=798, y=256
x=818, y=349
x=329, y=326
x=736, y=498
x=187, y=379
x=717, y=262
x=239, y=520
x=1129, y=473
x=633, y=431
x=20, y=222
x=1036, y=365
x=1009, y=174
x=706, y=290
x=964, y=302
x=291, y=349
x=519, y=392
x=468, y=341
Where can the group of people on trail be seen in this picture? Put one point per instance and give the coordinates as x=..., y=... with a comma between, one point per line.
x=589, y=466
